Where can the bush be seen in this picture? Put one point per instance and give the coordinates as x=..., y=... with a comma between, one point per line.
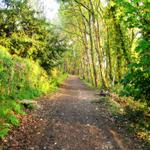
x=137, y=79
x=21, y=78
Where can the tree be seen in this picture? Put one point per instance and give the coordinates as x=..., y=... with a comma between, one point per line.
x=29, y=36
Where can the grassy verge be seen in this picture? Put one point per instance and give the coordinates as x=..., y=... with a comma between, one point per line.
x=11, y=110
x=21, y=79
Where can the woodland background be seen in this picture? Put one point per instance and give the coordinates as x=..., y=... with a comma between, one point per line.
x=105, y=43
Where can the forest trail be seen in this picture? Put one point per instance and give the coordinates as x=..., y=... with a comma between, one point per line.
x=68, y=120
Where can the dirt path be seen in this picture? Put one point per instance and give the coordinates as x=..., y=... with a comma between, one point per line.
x=68, y=120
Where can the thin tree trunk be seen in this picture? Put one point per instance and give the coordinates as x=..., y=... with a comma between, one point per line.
x=97, y=44
x=92, y=51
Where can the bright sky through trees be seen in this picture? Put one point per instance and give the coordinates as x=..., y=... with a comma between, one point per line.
x=50, y=9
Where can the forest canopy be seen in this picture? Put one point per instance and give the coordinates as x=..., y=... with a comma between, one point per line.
x=25, y=34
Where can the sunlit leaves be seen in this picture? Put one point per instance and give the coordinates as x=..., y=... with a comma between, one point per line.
x=29, y=36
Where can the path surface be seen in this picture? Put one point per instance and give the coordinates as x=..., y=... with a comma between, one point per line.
x=68, y=120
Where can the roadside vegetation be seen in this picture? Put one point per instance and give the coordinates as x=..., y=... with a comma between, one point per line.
x=30, y=54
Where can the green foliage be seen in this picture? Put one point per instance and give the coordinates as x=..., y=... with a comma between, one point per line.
x=3, y=132
x=29, y=36
x=135, y=113
x=13, y=120
x=8, y=111
x=57, y=79
x=137, y=80
x=21, y=78
x=25, y=79
x=137, y=84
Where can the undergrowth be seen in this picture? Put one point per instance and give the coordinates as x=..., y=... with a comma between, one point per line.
x=21, y=79
x=9, y=111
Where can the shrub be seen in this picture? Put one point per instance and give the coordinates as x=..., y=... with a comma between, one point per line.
x=21, y=78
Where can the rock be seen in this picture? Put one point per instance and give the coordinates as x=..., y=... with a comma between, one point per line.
x=104, y=93
x=29, y=103
x=25, y=101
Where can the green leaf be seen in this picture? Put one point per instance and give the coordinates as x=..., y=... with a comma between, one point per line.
x=13, y=120
x=4, y=132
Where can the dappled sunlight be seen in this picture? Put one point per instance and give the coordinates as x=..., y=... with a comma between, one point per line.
x=118, y=139
x=79, y=70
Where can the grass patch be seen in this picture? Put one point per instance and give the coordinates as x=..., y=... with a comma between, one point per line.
x=9, y=111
